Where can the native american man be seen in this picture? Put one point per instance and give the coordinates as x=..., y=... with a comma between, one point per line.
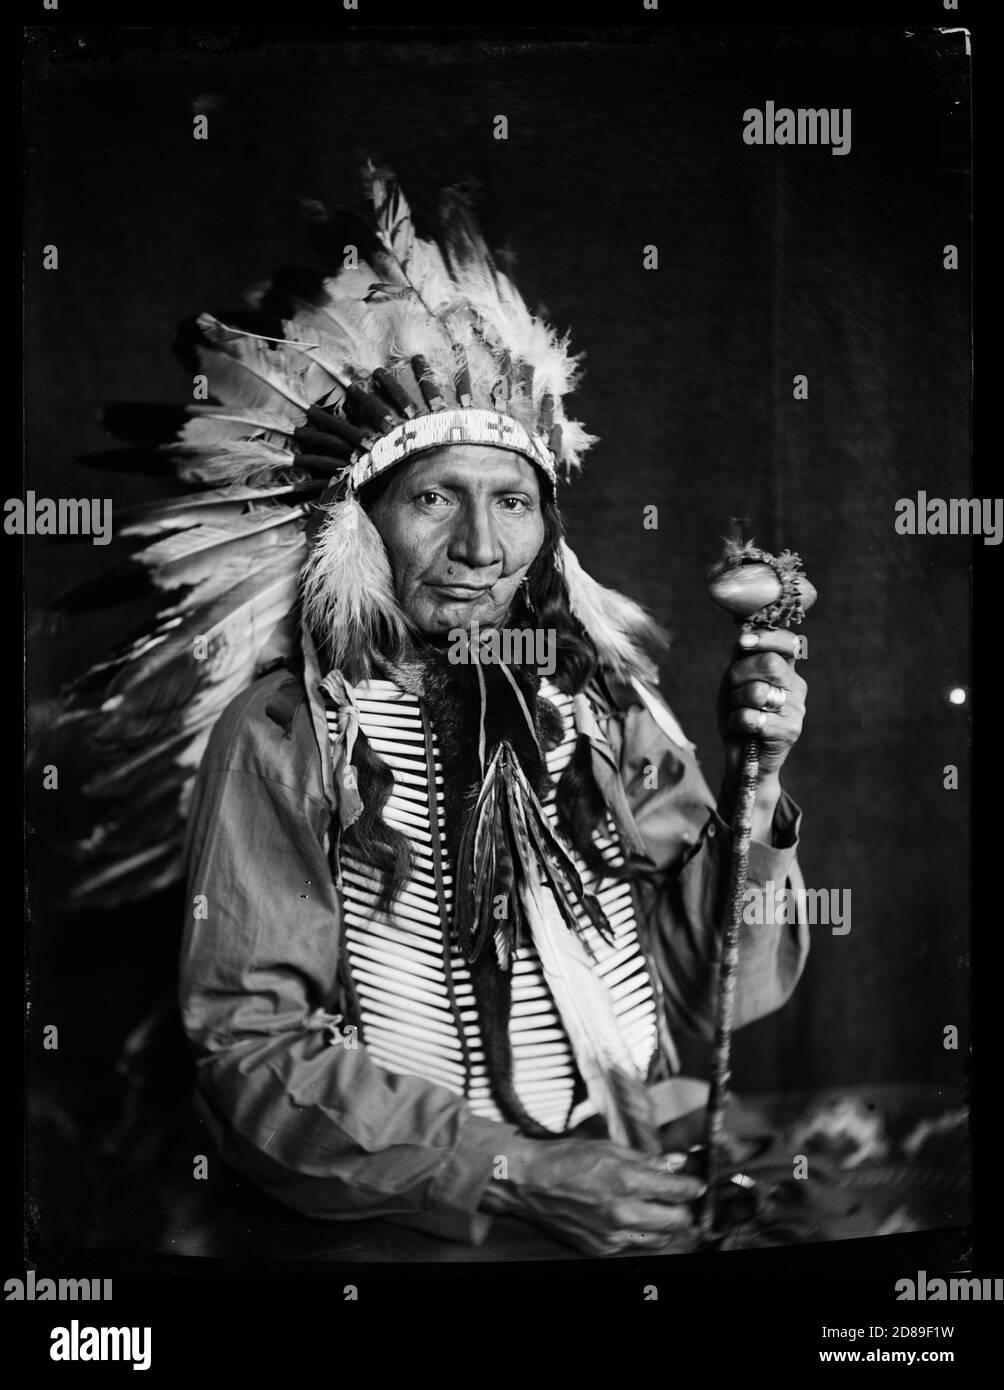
x=451, y=909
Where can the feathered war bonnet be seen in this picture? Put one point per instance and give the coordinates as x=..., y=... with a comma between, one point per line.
x=414, y=344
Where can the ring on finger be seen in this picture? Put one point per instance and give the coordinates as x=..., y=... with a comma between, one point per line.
x=762, y=721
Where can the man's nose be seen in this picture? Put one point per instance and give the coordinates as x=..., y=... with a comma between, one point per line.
x=475, y=542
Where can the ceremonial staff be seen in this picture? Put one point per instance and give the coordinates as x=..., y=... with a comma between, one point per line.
x=761, y=591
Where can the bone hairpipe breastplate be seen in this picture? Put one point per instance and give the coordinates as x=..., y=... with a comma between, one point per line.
x=416, y=1008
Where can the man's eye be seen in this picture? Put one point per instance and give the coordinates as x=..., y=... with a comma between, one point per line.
x=429, y=499
x=516, y=505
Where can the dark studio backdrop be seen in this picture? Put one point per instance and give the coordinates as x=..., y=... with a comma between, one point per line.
x=772, y=262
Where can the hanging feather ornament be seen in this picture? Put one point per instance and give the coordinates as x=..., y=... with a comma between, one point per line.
x=508, y=829
x=516, y=884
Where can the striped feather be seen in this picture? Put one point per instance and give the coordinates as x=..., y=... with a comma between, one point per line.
x=246, y=371
x=161, y=518
x=183, y=558
x=251, y=463
x=148, y=714
x=215, y=424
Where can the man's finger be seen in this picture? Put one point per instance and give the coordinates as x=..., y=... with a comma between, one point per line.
x=791, y=645
x=759, y=695
x=769, y=666
x=767, y=727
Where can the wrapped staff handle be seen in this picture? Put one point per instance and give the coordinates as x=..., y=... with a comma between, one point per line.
x=760, y=590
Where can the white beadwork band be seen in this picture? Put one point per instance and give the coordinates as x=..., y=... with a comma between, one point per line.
x=451, y=426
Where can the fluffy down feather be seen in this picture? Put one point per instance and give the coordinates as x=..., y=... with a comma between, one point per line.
x=619, y=627
x=348, y=590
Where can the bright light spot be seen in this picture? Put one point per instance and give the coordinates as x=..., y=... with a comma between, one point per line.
x=957, y=696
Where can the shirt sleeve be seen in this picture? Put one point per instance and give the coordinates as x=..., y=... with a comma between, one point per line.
x=685, y=903
x=315, y=1123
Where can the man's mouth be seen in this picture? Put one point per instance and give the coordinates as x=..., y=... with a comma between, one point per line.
x=462, y=591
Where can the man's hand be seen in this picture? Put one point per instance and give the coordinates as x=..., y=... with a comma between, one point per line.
x=761, y=693
x=597, y=1196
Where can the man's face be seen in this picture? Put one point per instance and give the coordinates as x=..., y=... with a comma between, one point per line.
x=461, y=526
